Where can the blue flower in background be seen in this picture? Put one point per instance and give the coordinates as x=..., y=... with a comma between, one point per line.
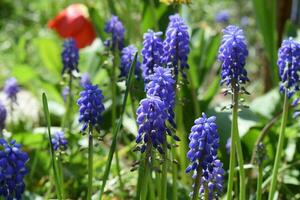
x=3, y=114
x=289, y=66
x=204, y=143
x=151, y=53
x=65, y=93
x=116, y=28
x=162, y=84
x=11, y=89
x=90, y=106
x=222, y=17
x=59, y=141
x=85, y=79
x=70, y=56
x=176, y=44
x=232, y=54
x=127, y=56
x=12, y=169
x=151, y=117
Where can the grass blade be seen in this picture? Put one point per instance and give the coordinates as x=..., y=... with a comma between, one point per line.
x=117, y=128
x=54, y=165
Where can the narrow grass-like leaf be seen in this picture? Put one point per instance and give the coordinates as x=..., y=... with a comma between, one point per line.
x=54, y=165
x=117, y=128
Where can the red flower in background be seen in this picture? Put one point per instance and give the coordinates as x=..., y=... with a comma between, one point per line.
x=73, y=22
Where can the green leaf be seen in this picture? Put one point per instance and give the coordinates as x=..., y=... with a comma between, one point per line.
x=98, y=22
x=24, y=73
x=265, y=105
x=54, y=164
x=49, y=52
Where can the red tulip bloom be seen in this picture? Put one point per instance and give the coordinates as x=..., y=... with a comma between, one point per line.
x=73, y=22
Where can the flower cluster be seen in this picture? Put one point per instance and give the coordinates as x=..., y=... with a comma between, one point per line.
x=116, y=28
x=204, y=143
x=90, y=106
x=70, y=56
x=176, y=44
x=3, y=114
x=161, y=84
x=289, y=66
x=11, y=89
x=151, y=53
x=12, y=169
x=127, y=56
x=232, y=54
x=213, y=178
x=151, y=117
x=59, y=141
x=222, y=17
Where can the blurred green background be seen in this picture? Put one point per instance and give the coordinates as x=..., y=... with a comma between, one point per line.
x=31, y=52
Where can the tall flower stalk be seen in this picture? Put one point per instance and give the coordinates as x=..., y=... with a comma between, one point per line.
x=115, y=44
x=175, y=56
x=260, y=157
x=289, y=68
x=232, y=54
x=208, y=171
x=90, y=110
x=70, y=57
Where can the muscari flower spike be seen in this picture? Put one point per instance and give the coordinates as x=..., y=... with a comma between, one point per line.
x=151, y=53
x=222, y=17
x=204, y=143
x=116, y=28
x=176, y=45
x=11, y=89
x=65, y=93
x=59, y=141
x=151, y=118
x=161, y=84
x=260, y=154
x=70, y=56
x=12, y=170
x=127, y=56
x=232, y=54
x=289, y=66
x=3, y=114
x=90, y=106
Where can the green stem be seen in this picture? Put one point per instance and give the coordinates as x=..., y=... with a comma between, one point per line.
x=164, y=172
x=175, y=174
x=232, y=157
x=279, y=147
x=90, y=164
x=241, y=166
x=60, y=171
x=147, y=174
x=197, y=183
x=206, y=192
x=259, y=183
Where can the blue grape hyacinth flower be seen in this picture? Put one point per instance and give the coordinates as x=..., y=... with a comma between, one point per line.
x=3, y=114
x=204, y=144
x=127, y=56
x=213, y=179
x=232, y=54
x=117, y=30
x=289, y=66
x=90, y=106
x=59, y=141
x=151, y=118
x=222, y=17
x=176, y=45
x=11, y=89
x=70, y=56
x=162, y=84
x=151, y=53
x=12, y=170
